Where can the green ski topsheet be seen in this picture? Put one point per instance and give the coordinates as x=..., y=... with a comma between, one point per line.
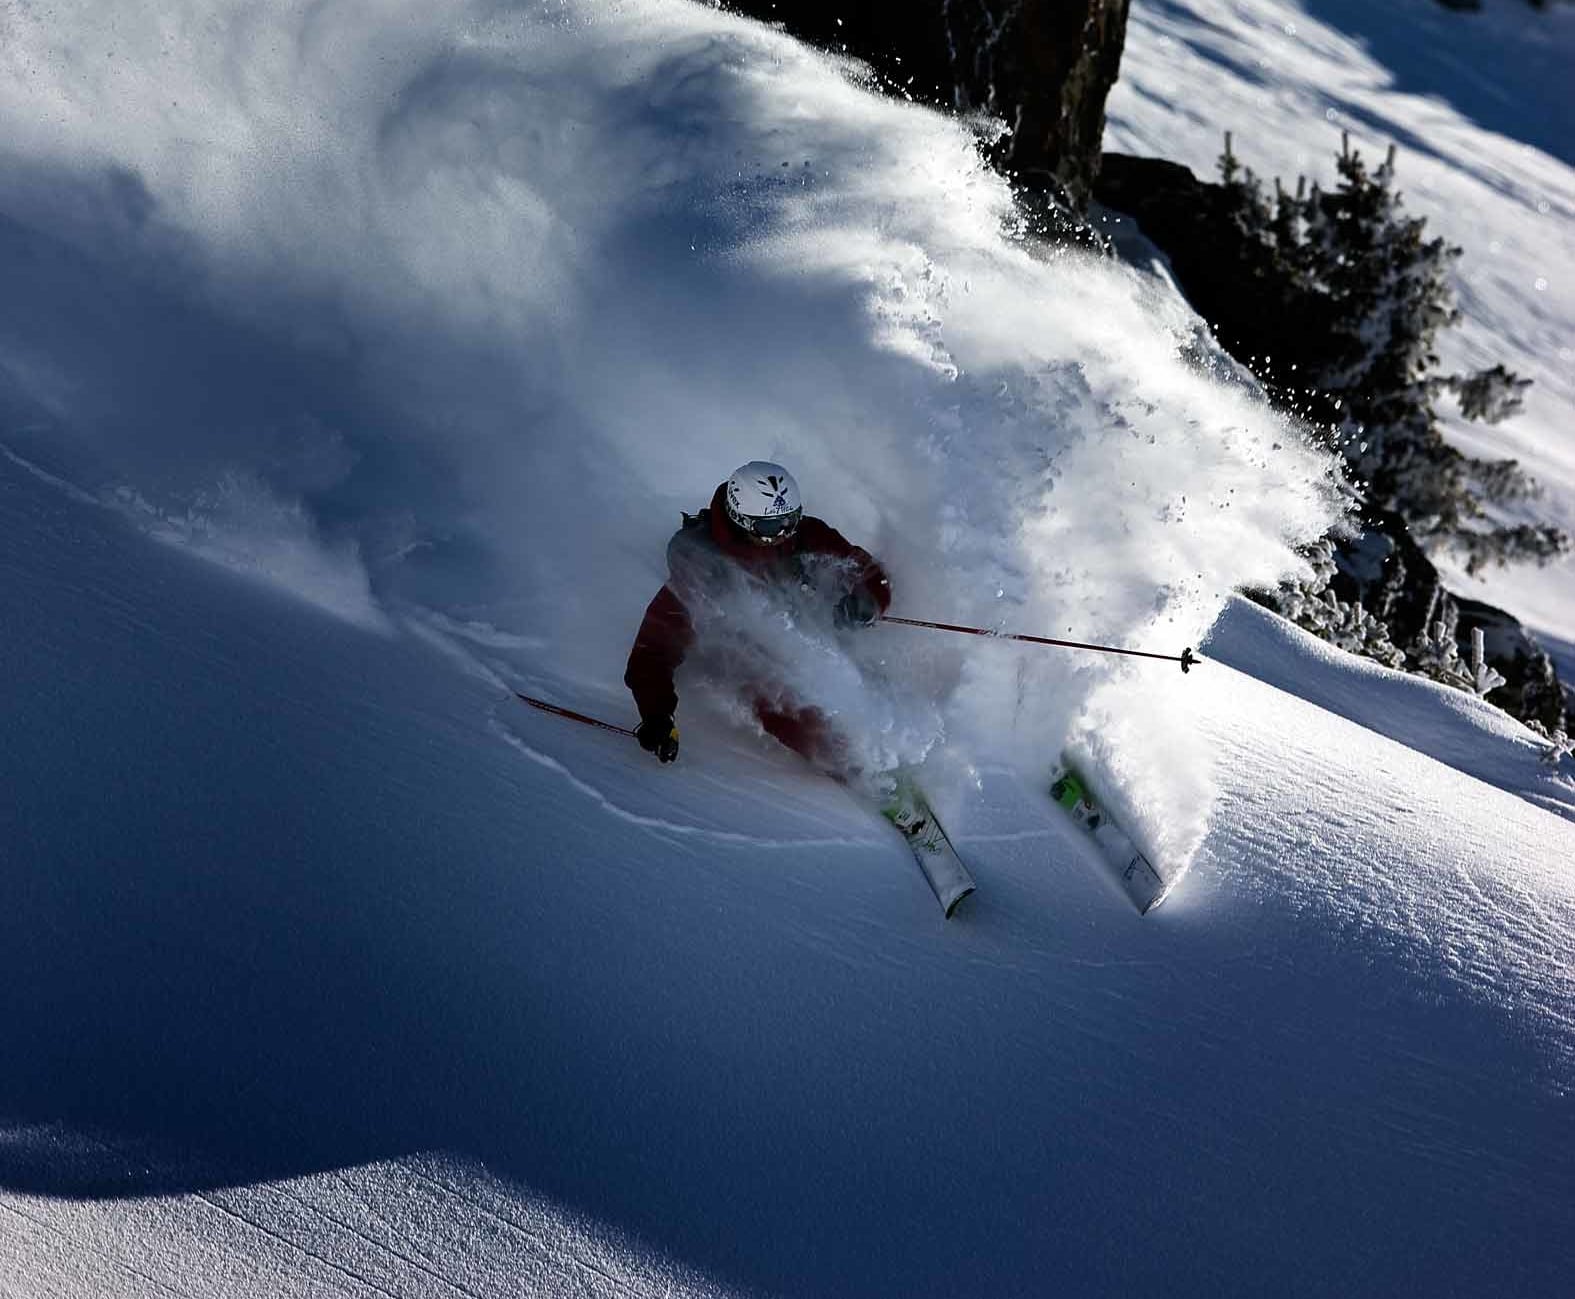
x=1136, y=875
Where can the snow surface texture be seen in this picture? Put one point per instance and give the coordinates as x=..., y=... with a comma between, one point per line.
x=285, y=911
x=422, y=1225
x=1482, y=108
x=426, y=328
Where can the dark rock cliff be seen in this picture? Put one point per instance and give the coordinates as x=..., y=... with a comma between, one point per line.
x=1044, y=67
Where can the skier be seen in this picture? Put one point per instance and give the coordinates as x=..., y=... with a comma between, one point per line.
x=755, y=528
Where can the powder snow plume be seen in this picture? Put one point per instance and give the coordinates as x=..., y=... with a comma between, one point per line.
x=487, y=295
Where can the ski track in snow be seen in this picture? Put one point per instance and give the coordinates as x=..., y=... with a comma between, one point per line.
x=682, y=829
x=52, y=480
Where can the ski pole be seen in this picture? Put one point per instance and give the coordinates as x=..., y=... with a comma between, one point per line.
x=1186, y=658
x=572, y=715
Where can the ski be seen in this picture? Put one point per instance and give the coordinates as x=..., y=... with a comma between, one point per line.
x=1136, y=875
x=909, y=811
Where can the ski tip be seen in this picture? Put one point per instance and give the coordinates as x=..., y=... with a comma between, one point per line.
x=1166, y=888
x=951, y=907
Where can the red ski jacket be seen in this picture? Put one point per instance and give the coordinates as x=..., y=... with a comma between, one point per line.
x=695, y=551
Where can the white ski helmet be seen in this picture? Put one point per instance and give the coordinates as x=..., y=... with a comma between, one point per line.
x=763, y=502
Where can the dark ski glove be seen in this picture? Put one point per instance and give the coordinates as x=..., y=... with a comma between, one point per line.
x=857, y=609
x=659, y=736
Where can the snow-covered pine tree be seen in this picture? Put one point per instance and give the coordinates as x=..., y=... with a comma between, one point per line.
x=1560, y=745
x=1312, y=605
x=1437, y=655
x=1484, y=678
x=1376, y=292
x=1391, y=285
x=1354, y=629
x=1490, y=395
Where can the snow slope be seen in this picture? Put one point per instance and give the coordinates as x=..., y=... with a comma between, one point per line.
x=356, y=373
x=290, y=897
x=1483, y=111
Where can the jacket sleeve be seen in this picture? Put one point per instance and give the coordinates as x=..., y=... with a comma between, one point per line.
x=817, y=537
x=664, y=638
